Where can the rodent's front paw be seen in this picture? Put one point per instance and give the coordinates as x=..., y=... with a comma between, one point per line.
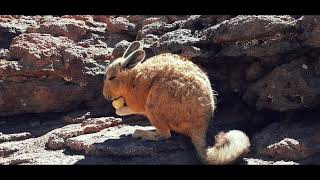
x=124, y=111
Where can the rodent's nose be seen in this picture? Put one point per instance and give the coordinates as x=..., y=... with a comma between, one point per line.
x=106, y=96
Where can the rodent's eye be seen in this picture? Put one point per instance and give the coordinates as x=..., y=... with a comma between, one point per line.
x=112, y=77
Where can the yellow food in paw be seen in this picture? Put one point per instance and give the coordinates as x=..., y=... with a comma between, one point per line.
x=118, y=103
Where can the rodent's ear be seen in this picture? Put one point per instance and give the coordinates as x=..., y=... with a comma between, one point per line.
x=133, y=59
x=133, y=46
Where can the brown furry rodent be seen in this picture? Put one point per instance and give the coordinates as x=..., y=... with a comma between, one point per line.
x=175, y=95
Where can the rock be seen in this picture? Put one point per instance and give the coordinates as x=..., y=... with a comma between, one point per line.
x=116, y=141
x=17, y=161
x=76, y=117
x=71, y=28
x=142, y=20
x=4, y=54
x=147, y=43
x=287, y=149
x=199, y=22
x=148, y=40
x=114, y=38
x=256, y=36
x=57, y=75
x=174, y=18
x=154, y=20
x=120, y=24
x=11, y=27
x=310, y=29
x=169, y=19
x=179, y=41
x=99, y=53
x=32, y=150
x=43, y=158
x=39, y=48
x=55, y=64
x=92, y=125
x=135, y=18
x=156, y=28
x=288, y=87
x=79, y=17
x=120, y=48
x=236, y=29
x=101, y=18
x=6, y=151
x=252, y=161
x=58, y=137
x=295, y=141
x=14, y=137
x=10, y=148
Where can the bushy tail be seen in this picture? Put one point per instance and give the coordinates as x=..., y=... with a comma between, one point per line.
x=228, y=147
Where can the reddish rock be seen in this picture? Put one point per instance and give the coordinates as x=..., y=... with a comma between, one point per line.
x=294, y=141
x=92, y=125
x=119, y=24
x=287, y=149
x=58, y=137
x=57, y=75
x=71, y=28
x=11, y=27
x=79, y=17
x=101, y=18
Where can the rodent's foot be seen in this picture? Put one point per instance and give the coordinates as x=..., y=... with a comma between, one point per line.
x=150, y=135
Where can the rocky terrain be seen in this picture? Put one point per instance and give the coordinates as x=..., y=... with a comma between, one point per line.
x=265, y=69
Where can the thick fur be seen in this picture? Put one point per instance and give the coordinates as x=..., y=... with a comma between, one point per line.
x=175, y=95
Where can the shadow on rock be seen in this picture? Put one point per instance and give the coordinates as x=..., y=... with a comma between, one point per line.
x=115, y=145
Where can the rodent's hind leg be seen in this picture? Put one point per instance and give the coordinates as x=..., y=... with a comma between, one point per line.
x=156, y=135
x=162, y=131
